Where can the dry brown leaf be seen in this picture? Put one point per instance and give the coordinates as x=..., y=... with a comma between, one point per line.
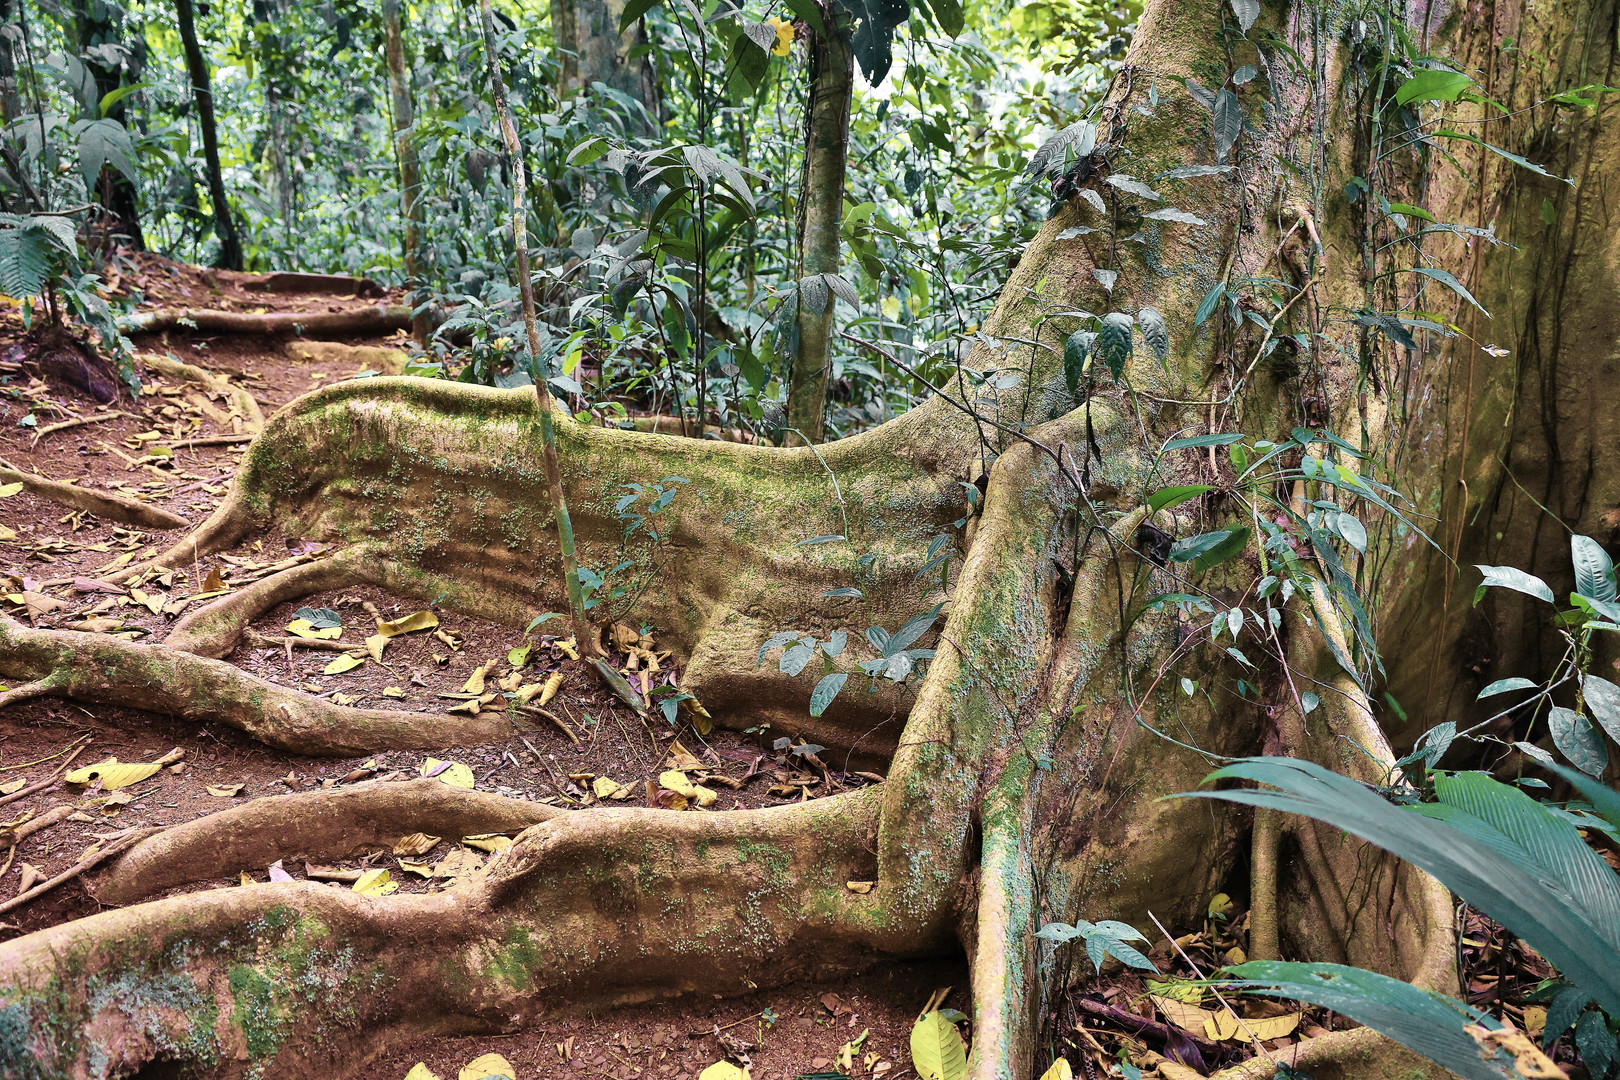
x=681, y=758
x=1528, y=1060
x=415, y=844
x=552, y=685
x=475, y=681
x=224, y=791
x=492, y=842
x=569, y=648
x=375, y=644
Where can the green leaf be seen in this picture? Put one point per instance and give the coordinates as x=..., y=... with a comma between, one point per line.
x=1451, y=283
x=633, y=10
x=1603, y=699
x=1175, y=496
x=1508, y=577
x=1227, y=124
x=1076, y=351
x=809, y=11
x=1426, y=1022
x=1246, y=11
x=1577, y=740
x=1497, y=875
x=588, y=151
x=1410, y=211
x=1210, y=549
x=1202, y=440
x=1212, y=299
x=1594, y=570
x=1155, y=333
x=1498, y=151
x=319, y=618
x=936, y=1049
x=948, y=14
x=1114, y=341
x=827, y=689
x=1503, y=686
x=1433, y=85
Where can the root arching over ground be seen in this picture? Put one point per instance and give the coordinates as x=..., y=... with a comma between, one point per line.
x=1023, y=783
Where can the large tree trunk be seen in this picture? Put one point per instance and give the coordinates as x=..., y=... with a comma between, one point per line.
x=230, y=243
x=590, y=50
x=1025, y=782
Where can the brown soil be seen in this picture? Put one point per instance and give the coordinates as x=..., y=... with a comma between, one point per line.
x=55, y=555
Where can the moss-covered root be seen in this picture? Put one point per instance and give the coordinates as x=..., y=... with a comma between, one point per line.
x=215, y=629
x=107, y=671
x=588, y=909
x=324, y=826
x=247, y=406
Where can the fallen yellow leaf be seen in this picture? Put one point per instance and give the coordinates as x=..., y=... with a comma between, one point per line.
x=606, y=788
x=721, y=1070
x=475, y=681
x=392, y=692
x=553, y=684
x=494, y=842
x=420, y=1071
x=568, y=649
x=303, y=628
x=342, y=664
x=421, y=620
x=113, y=773
x=224, y=791
x=420, y=869
x=486, y=1066
x=375, y=883
x=8, y=490
x=375, y=644
x=1060, y=1070
x=859, y=886
x=455, y=775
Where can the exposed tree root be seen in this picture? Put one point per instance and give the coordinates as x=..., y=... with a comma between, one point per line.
x=246, y=404
x=367, y=320
x=105, y=670
x=324, y=825
x=78, y=421
x=103, y=504
x=292, y=281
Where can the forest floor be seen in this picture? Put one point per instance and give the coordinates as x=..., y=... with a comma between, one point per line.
x=53, y=562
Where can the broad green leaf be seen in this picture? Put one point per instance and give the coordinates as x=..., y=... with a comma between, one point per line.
x=1114, y=341
x=1508, y=577
x=1426, y=1022
x=1503, y=686
x=1577, y=740
x=1515, y=891
x=1523, y=163
x=1227, y=125
x=1433, y=85
x=1155, y=333
x=1245, y=11
x=936, y=1049
x=825, y=691
x=1603, y=700
x=1594, y=570
x=633, y=10
x=1450, y=282
x=1175, y=496
x=1201, y=440
x=1076, y=351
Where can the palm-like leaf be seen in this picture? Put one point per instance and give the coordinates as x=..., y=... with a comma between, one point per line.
x=1517, y=877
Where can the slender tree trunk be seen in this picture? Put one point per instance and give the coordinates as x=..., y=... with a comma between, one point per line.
x=100, y=24
x=230, y=244
x=10, y=101
x=405, y=150
x=821, y=207
x=271, y=46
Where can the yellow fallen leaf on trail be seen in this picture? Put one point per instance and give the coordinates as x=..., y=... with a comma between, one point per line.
x=153, y=602
x=1528, y=1060
x=475, y=681
x=606, y=788
x=552, y=685
x=723, y=1070
x=453, y=773
x=213, y=583
x=859, y=886
x=8, y=490
x=1060, y=1070
x=460, y=861
x=375, y=644
x=420, y=1071
x=303, y=628
x=936, y=1048
x=511, y=681
x=7, y=534
x=568, y=648
x=676, y=781
x=342, y=664
x=420, y=869
x=846, y=1053
x=393, y=692
x=1265, y=1028
x=113, y=773
x=375, y=883
x=519, y=656
x=486, y=1066
x=421, y=620
x=493, y=842
x=246, y=878
x=415, y=844
x=15, y=785
x=224, y=791
x=1172, y=1070
x=1187, y=1017
x=527, y=692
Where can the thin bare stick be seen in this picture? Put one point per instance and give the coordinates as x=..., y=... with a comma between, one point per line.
x=542, y=386
x=38, y=688
x=63, y=425
x=1258, y=1045
x=213, y=440
x=116, y=848
x=253, y=639
x=554, y=718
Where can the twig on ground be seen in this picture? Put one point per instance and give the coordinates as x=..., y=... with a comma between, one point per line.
x=80, y=421
x=554, y=718
x=116, y=848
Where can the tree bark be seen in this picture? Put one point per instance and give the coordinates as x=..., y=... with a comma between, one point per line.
x=230, y=243
x=410, y=183
x=821, y=210
x=590, y=49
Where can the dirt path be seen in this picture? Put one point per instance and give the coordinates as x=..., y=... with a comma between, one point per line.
x=55, y=561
